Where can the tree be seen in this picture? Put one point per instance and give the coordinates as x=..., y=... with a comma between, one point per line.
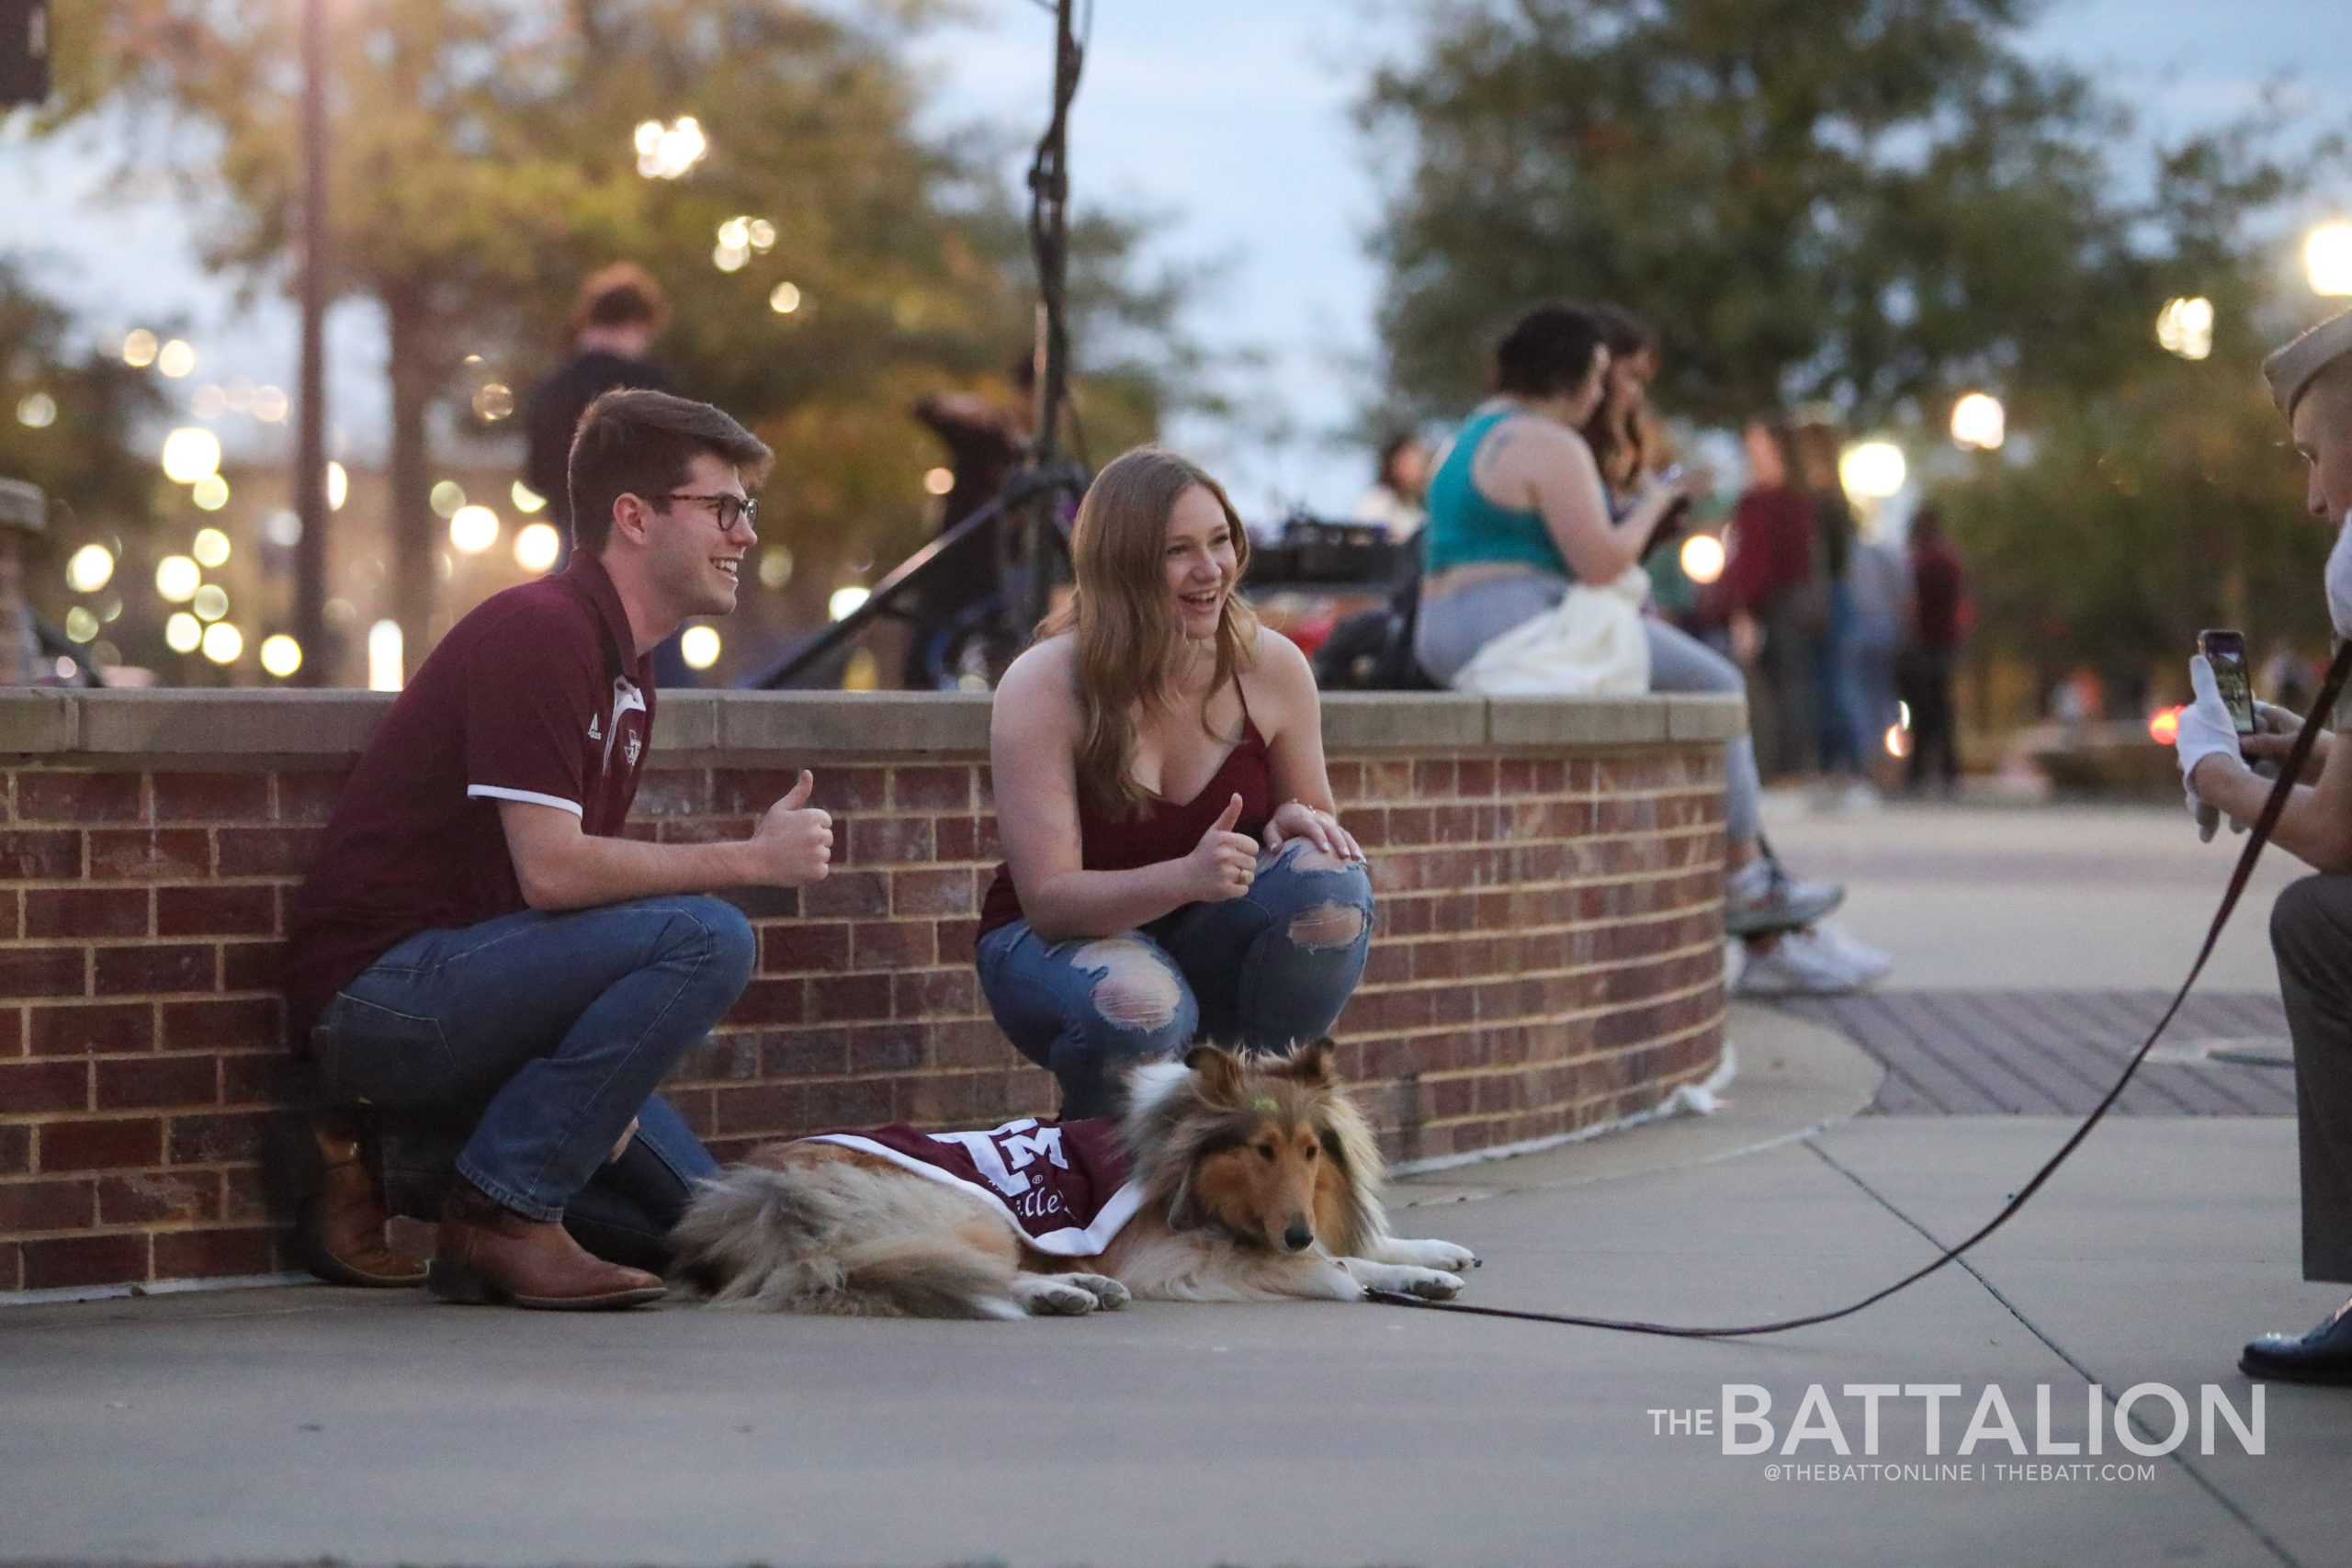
x=1852, y=200
x=483, y=161
x=67, y=419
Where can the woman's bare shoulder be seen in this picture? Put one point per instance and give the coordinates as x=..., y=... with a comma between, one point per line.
x=1279, y=672
x=1037, y=687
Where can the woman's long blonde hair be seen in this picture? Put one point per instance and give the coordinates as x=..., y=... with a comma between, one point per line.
x=1128, y=634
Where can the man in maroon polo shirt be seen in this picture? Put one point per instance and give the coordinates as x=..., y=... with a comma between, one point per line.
x=478, y=945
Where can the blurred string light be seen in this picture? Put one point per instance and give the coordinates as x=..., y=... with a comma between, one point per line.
x=384, y=657
x=473, y=529
x=210, y=493
x=526, y=500
x=207, y=402
x=2327, y=258
x=776, y=566
x=190, y=453
x=1872, y=470
x=89, y=569
x=2185, y=327
x=270, y=405
x=210, y=548
x=1898, y=741
x=37, y=411
x=211, y=603
x=698, y=646
x=1703, y=558
x=844, y=601
x=448, y=497
x=785, y=298
x=338, y=487
x=536, y=546
x=666, y=152
x=281, y=655
x=223, y=642
x=183, y=632
x=1979, y=420
x=493, y=401
x=727, y=258
x=80, y=624
x=176, y=358
x=177, y=577
x=139, y=348
x=939, y=481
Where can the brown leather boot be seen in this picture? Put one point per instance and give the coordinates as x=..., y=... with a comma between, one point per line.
x=341, y=1233
x=486, y=1252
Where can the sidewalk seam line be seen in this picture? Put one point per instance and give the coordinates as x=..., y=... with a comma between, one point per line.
x=2211, y=1488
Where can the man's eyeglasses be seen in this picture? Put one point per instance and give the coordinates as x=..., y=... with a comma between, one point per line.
x=726, y=507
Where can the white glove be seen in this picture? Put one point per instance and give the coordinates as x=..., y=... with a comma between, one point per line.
x=2339, y=579
x=2206, y=731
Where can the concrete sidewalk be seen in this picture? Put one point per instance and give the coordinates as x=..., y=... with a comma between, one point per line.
x=297, y=1423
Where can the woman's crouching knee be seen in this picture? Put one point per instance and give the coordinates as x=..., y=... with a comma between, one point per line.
x=1139, y=1005
x=1322, y=899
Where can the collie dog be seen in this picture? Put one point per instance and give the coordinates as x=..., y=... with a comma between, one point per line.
x=1231, y=1177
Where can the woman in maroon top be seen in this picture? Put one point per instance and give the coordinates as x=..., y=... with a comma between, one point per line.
x=1173, y=867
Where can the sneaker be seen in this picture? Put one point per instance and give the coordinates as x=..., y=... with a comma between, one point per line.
x=1867, y=964
x=1799, y=964
x=1760, y=898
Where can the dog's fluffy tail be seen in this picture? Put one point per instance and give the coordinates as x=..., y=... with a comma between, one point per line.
x=829, y=1236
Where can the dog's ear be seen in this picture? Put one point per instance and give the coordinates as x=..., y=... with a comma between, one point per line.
x=1311, y=1065
x=1218, y=1072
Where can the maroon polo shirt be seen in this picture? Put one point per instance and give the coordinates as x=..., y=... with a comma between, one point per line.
x=537, y=695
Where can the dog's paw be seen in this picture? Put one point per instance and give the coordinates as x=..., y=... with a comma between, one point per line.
x=1431, y=1284
x=1439, y=1255
x=1108, y=1294
x=1053, y=1297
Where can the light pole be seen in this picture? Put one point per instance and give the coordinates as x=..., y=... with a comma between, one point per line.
x=310, y=434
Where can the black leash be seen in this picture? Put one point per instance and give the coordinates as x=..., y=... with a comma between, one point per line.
x=2329, y=689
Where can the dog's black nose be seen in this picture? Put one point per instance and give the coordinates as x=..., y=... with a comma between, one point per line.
x=1299, y=1237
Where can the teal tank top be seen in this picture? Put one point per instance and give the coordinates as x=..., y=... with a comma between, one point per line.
x=1465, y=526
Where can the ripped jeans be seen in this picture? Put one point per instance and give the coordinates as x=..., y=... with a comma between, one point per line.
x=1270, y=969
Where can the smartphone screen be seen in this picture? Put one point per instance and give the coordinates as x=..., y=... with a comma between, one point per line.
x=2226, y=652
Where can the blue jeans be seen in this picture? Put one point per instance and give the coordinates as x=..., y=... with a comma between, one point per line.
x=532, y=1040
x=1270, y=969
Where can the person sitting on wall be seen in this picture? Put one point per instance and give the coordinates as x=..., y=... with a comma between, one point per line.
x=1518, y=515
x=478, y=943
x=1174, y=868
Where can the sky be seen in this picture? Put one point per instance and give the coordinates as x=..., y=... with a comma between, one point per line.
x=1228, y=119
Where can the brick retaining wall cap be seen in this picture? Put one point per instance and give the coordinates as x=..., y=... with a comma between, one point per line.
x=264, y=723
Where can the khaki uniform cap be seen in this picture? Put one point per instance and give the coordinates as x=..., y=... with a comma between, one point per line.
x=2291, y=369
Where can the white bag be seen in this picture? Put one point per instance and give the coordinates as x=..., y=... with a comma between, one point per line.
x=1590, y=644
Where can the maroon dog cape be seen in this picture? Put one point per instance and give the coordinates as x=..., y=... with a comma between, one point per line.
x=1063, y=1185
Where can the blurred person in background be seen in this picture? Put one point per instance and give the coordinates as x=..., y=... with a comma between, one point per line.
x=1628, y=442
x=985, y=438
x=1834, y=691
x=1518, y=515
x=1940, y=597
x=1883, y=607
x=619, y=313
x=1394, y=499
x=1766, y=592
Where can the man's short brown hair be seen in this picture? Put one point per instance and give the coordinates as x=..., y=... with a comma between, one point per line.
x=621, y=295
x=637, y=443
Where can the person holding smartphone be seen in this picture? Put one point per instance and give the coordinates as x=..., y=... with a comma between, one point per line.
x=2310, y=924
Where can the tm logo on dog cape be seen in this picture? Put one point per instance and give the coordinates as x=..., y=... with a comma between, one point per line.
x=1063, y=1186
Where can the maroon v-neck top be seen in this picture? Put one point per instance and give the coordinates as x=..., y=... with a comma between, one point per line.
x=1163, y=829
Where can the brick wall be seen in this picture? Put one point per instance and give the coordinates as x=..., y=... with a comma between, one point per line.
x=1546, y=958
